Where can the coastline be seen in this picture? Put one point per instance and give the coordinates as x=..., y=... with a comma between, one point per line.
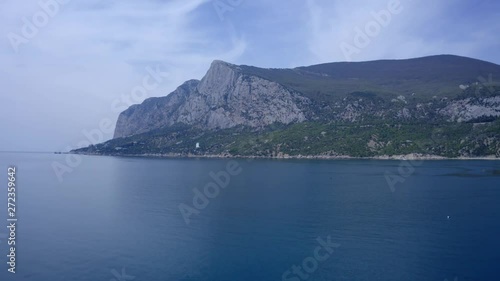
x=407, y=157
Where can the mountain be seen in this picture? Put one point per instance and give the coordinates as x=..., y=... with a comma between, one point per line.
x=440, y=105
x=226, y=97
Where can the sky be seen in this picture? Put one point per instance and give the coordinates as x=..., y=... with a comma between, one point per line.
x=69, y=67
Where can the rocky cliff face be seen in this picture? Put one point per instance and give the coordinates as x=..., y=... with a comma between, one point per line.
x=433, y=89
x=468, y=109
x=226, y=97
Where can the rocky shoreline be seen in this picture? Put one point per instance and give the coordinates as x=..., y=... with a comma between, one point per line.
x=410, y=157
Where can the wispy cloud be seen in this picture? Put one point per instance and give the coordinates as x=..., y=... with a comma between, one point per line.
x=418, y=30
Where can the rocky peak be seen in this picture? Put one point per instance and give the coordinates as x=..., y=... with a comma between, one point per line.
x=226, y=97
x=220, y=79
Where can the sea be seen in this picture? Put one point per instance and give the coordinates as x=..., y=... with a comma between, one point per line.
x=98, y=218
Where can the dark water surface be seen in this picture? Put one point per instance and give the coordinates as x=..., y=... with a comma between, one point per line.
x=119, y=219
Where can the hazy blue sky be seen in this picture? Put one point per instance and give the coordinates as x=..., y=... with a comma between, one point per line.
x=65, y=68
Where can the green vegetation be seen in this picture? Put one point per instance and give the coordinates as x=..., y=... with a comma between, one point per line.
x=426, y=77
x=309, y=138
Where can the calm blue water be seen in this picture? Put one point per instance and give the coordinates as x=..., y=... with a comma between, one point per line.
x=112, y=214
